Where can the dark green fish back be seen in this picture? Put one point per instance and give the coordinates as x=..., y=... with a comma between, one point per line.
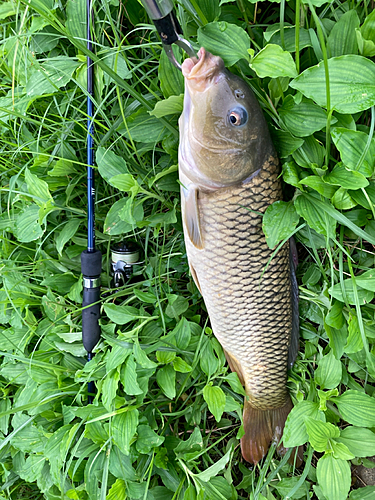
x=250, y=313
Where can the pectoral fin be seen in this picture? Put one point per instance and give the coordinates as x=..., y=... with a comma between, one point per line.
x=191, y=216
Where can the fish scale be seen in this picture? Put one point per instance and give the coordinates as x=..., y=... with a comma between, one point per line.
x=250, y=310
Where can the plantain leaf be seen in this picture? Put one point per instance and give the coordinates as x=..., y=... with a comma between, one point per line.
x=356, y=407
x=351, y=145
x=342, y=39
x=320, y=432
x=279, y=221
x=333, y=477
x=360, y=441
x=348, y=179
x=272, y=61
x=124, y=427
x=302, y=119
x=295, y=433
x=215, y=399
x=226, y=40
x=316, y=218
x=329, y=372
x=352, y=83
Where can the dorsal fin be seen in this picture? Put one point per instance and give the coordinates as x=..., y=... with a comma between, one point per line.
x=191, y=216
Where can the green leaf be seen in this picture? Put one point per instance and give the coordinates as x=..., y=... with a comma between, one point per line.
x=124, y=427
x=289, y=37
x=310, y=154
x=366, y=280
x=117, y=490
x=182, y=333
x=368, y=27
x=235, y=384
x=76, y=18
x=129, y=378
x=366, y=493
x=279, y=221
x=351, y=144
x=7, y=9
x=317, y=219
x=272, y=61
x=304, y=118
x=121, y=314
x=291, y=173
x=335, y=318
x=194, y=443
x=212, y=471
x=364, y=296
x=357, y=408
x=53, y=74
x=320, y=432
x=360, y=441
x=340, y=450
x=116, y=61
x=352, y=83
x=124, y=182
x=361, y=199
x=174, y=104
x=181, y=366
x=171, y=79
x=348, y=179
x=215, y=399
x=67, y=233
x=319, y=185
x=229, y=41
x=342, y=39
x=295, y=433
x=109, y=388
x=142, y=358
x=165, y=357
x=147, y=439
x=37, y=188
x=142, y=127
x=339, y=217
x=329, y=372
x=166, y=379
x=285, y=143
x=27, y=227
x=109, y=164
x=207, y=359
x=113, y=225
x=354, y=342
x=285, y=485
x=177, y=305
x=334, y=477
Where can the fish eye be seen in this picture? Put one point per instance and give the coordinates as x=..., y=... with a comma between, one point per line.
x=238, y=116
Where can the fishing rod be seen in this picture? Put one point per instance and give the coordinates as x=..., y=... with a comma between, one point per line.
x=124, y=255
x=162, y=14
x=91, y=259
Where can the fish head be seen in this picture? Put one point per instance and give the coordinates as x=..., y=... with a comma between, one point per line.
x=224, y=137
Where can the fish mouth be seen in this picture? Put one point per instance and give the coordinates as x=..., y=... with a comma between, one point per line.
x=201, y=71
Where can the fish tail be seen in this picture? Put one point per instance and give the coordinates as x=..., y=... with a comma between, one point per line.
x=261, y=428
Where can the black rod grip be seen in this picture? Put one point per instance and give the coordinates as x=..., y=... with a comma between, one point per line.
x=90, y=318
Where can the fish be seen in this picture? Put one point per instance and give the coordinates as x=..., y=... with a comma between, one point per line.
x=229, y=175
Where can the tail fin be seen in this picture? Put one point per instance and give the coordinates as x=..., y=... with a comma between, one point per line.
x=261, y=428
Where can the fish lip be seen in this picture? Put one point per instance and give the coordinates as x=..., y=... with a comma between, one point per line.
x=192, y=65
x=201, y=71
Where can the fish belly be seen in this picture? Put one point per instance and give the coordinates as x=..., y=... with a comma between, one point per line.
x=249, y=307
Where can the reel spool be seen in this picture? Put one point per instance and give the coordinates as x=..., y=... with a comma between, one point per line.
x=124, y=256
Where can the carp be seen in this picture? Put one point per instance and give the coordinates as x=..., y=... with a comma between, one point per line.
x=229, y=175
